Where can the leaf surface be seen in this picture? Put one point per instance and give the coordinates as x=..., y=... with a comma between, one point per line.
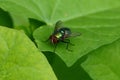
x=104, y=63
x=20, y=59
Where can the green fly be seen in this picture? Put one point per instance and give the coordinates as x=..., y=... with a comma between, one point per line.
x=61, y=34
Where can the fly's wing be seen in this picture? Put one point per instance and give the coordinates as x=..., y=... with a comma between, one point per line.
x=58, y=25
x=74, y=34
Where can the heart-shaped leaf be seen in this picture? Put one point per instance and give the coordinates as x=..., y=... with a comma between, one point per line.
x=20, y=59
x=90, y=39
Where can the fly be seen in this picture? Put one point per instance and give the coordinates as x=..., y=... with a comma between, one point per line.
x=61, y=34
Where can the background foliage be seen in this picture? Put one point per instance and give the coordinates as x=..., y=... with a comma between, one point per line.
x=96, y=52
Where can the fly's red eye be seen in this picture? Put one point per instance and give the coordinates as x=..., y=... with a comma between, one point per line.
x=53, y=39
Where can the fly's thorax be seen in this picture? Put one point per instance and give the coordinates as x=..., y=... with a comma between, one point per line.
x=66, y=32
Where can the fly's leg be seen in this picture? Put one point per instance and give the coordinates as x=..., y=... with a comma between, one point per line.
x=67, y=41
x=55, y=46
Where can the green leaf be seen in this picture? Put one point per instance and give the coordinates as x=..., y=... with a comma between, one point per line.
x=90, y=39
x=20, y=59
x=104, y=63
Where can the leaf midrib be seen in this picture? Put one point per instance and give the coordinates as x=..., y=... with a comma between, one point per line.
x=54, y=9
